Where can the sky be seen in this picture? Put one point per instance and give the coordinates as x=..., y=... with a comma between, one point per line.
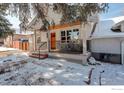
x=14, y=21
x=115, y=9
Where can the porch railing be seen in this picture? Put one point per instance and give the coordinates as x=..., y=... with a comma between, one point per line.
x=70, y=46
x=42, y=44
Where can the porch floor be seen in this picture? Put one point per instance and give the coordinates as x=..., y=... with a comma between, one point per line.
x=75, y=58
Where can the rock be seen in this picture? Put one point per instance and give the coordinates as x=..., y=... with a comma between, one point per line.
x=8, y=60
x=92, y=61
x=53, y=82
x=23, y=62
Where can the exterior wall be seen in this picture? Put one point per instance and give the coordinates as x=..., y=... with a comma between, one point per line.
x=41, y=37
x=44, y=36
x=8, y=41
x=106, y=45
x=1, y=41
x=106, y=50
x=31, y=43
x=87, y=28
x=18, y=36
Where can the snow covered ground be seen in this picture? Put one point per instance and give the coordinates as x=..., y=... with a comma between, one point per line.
x=19, y=69
x=59, y=72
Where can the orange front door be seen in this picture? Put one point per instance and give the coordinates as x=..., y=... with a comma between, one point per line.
x=53, y=40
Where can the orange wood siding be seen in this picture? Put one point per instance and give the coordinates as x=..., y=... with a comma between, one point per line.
x=64, y=25
x=21, y=45
x=16, y=44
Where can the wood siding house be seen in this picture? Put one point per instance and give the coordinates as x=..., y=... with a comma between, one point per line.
x=68, y=37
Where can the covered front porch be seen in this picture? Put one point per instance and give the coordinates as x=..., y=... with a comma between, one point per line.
x=66, y=40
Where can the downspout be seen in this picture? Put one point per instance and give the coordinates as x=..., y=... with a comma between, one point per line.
x=35, y=39
x=122, y=52
x=48, y=40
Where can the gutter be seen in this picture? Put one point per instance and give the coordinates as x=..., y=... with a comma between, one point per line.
x=115, y=36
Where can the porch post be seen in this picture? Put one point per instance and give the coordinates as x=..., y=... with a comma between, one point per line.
x=84, y=42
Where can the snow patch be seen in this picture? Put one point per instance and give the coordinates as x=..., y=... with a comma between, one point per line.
x=7, y=49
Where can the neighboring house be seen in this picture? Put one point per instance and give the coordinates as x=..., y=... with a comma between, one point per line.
x=66, y=37
x=107, y=42
x=23, y=41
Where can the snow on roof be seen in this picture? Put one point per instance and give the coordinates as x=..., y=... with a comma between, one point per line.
x=103, y=28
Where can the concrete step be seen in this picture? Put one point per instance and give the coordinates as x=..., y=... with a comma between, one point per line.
x=42, y=56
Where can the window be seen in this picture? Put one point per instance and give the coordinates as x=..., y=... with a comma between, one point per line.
x=75, y=34
x=62, y=33
x=69, y=35
x=63, y=37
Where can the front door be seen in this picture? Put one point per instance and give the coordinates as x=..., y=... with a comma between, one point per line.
x=53, y=40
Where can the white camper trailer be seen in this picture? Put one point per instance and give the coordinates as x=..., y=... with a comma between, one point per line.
x=107, y=42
